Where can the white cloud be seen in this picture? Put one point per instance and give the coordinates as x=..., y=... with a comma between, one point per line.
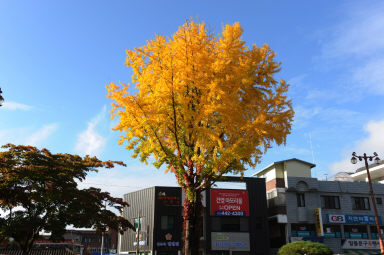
x=356, y=45
x=15, y=106
x=371, y=75
x=121, y=180
x=90, y=141
x=373, y=143
x=359, y=35
x=305, y=115
x=38, y=137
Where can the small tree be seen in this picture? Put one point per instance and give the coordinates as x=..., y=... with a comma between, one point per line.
x=305, y=248
x=205, y=106
x=38, y=191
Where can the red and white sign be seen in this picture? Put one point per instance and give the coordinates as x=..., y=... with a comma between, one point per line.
x=229, y=202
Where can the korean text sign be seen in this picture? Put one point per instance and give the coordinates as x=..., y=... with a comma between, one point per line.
x=227, y=202
x=352, y=219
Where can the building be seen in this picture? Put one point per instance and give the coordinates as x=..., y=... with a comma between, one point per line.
x=234, y=221
x=39, y=251
x=337, y=213
x=376, y=172
x=83, y=242
x=91, y=240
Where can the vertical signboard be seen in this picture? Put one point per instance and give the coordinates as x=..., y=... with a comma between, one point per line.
x=319, y=222
x=226, y=202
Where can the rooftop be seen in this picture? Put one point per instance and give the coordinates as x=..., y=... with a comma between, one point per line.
x=286, y=160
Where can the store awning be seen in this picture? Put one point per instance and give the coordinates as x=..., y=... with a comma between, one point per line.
x=361, y=252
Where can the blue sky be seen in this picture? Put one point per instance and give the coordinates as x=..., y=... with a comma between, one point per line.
x=57, y=56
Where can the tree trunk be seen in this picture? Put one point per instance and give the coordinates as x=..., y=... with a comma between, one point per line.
x=192, y=225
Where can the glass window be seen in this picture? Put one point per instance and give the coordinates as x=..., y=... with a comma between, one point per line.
x=330, y=202
x=303, y=230
x=332, y=231
x=229, y=224
x=374, y=232
x=379, y=201
x=215, y=222
x=244, y=224
x=300, y=199
x=360, y=203
x=167, y=222
x=355, y=231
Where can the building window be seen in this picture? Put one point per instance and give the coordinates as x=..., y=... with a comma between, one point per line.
x=379, y=201
x=303, y=230
x=136, y=224
x=360, y=203
x=330, y=202
x=357, y=232
x=300, y=199
x=167, y=222
x=230, y=224
x=374, y=232
x=332, y=231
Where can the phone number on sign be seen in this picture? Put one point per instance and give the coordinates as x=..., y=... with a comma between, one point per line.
x=229, y=213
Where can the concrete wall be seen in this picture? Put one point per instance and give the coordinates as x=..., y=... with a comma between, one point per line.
x=344, y=190
x=297, y=169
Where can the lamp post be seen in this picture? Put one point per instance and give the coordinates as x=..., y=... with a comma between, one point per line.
x=1, y=98
x=377, y=160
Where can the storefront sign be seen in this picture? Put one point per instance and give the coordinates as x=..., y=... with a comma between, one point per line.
x=312, y=239
x=336, y=218
x=360, y=244
x=226, y=202
x=234, y=241
x=168, y=200
x=361, y=219
x=319, y=222
x=352, y=219
x=168, y=244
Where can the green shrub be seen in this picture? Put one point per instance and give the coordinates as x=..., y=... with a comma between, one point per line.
x=305, y=247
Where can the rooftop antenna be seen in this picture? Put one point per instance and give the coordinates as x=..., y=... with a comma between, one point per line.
x=313, y=156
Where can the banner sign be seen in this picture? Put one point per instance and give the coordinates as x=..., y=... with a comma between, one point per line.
x=352, y=219
x=319, y=222
x=227, y=202
x=360, y=244
x=235, y=241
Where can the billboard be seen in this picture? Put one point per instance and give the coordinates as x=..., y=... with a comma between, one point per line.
x=352, y=219
x=230, y=241
x=228, y=202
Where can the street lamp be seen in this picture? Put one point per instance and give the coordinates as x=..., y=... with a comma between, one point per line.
x=377, y=160
x=1, y=98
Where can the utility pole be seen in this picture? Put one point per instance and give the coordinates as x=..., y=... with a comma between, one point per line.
x=377, y=160
x=103, y=232
x=102, y=243
x=138, y=234
x=1, y=98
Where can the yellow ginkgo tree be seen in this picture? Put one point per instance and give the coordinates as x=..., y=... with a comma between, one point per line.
x=204, y=105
